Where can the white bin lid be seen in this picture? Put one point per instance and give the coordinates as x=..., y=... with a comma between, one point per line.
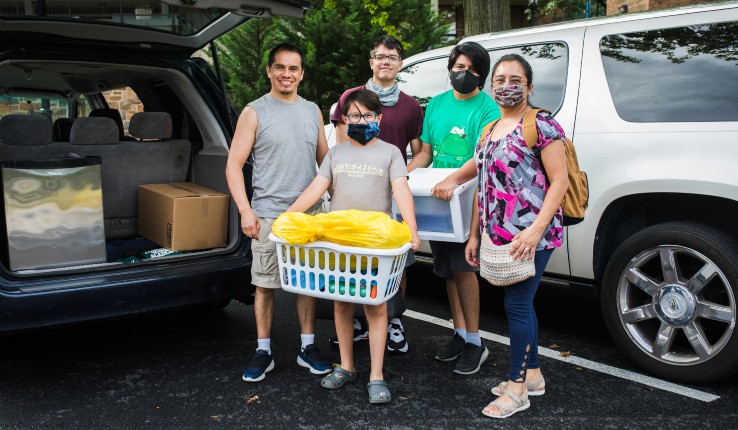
x=423, y=180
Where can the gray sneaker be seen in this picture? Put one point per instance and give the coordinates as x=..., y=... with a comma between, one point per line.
x=452, y=349
x=471, y=359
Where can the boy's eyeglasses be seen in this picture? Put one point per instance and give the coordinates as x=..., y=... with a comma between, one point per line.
x=391, y=58
x=353, y=118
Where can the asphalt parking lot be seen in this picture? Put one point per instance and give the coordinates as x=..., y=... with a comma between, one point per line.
x=183, y=370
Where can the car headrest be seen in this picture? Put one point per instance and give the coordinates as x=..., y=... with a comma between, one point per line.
x=24, y=129
x=61, y=129
x=113, y=114
x=93, y=131
x=151, y=125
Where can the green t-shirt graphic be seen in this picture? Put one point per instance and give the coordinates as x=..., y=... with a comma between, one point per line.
x=453, y=126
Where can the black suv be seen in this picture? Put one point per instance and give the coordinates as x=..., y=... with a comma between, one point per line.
x=96, y=99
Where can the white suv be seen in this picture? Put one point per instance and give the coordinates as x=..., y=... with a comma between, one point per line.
x=650, y=101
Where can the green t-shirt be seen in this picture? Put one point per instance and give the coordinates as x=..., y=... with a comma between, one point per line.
x=453, y=126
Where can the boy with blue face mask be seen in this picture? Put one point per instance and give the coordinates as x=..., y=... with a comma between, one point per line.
x=453, y=122
x=365, y=172
x=401, y=126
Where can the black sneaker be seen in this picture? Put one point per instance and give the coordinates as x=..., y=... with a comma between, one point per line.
x=452, y=349
x=258, y=366
x=396, y=341
x=361, y=332
x=471, y=359
x=313, y=359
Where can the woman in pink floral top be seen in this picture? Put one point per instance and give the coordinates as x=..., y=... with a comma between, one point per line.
x=519, y=202
x=515, y=185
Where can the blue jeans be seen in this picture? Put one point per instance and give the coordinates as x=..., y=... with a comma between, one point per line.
x=522, y=321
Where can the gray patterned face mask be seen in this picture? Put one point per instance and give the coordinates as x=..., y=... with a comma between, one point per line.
x=508, y=95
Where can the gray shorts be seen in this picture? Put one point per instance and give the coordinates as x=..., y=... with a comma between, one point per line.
x=264, y=266
x=449, y=257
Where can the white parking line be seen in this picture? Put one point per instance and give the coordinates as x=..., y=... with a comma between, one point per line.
x=582, y=362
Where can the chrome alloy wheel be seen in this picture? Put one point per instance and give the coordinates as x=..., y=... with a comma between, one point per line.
x=676, y=305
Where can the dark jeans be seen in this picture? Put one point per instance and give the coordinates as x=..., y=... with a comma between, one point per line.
x=522, y=321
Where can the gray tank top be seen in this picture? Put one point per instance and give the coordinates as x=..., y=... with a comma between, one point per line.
x=284, y=153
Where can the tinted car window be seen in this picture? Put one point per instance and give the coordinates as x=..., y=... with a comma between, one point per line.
x=674, y=74
x=548, y=62
x=424, y=80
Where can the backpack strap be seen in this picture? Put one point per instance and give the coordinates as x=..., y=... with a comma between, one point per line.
x=485, y=131
x=530, y=128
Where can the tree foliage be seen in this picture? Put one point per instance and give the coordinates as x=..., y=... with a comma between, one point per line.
x=336, y=37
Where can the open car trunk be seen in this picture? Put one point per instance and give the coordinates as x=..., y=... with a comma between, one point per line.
x=71, y=185
x=98, y=99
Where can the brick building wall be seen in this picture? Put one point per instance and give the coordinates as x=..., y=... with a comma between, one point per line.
x=14, y=105
x=126, y=101
x=614, y=6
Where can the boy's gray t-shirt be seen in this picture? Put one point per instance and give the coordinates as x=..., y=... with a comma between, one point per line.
x=362, y=177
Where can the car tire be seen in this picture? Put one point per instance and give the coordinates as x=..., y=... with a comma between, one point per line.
x=669, y=301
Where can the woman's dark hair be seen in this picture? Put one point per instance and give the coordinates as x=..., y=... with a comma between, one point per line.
x=522, y=61
x=388, y=42
x=367, y=98
x=289, y=48
x=478, y=56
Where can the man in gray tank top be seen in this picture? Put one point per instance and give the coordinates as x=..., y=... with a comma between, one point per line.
x=285, y=135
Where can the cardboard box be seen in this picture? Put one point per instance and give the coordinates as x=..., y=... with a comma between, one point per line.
x=444, y=221
x=182, y=216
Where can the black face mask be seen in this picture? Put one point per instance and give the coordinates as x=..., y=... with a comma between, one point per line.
x=363, y=133
x=464, y=81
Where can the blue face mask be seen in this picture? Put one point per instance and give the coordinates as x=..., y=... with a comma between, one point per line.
x=363, y=133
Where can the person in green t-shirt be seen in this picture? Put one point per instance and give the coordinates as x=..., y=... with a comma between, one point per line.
x=451, y=128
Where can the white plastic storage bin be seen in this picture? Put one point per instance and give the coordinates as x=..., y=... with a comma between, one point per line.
x=343, y=273
x=441, y=220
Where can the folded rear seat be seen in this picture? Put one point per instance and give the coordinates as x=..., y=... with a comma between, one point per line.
x=128, y=164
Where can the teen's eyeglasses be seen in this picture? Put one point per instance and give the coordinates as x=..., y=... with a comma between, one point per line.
x=392, y=58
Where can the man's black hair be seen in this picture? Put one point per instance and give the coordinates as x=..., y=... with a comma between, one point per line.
x=478, y=56
x=289, y=47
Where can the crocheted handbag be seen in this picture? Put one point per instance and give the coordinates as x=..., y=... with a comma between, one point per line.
x=497, y=266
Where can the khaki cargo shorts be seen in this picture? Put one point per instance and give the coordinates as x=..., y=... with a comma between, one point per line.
x=264, y=266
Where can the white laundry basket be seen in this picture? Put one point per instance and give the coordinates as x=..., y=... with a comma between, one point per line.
x=343, y=273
